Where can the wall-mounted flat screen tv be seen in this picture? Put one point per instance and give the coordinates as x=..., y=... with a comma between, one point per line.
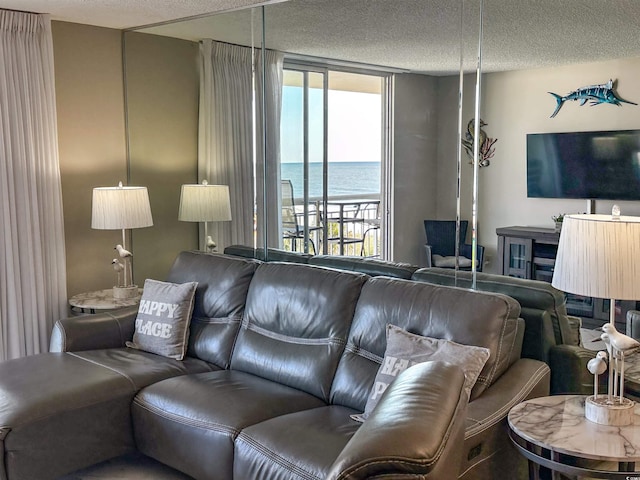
x=592, y=165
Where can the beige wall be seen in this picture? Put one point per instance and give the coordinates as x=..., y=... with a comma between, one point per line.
x=447, y=167
x=93, y=148
x=162, y=105
x=415, y=161
x=91, y=125
x=91, y=134
x=517, y=103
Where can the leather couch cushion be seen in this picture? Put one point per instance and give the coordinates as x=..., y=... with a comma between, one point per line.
x=74, y=408
x=190, y=422
x=142, y=368
x=274, y=254
x=532, y=294
x=463, y=316
x=323, y=443
x=297, y=317
x=313, y=440
x=219, y=302
x=70, y=412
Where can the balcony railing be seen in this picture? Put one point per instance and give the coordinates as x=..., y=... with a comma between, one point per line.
x=349, y=226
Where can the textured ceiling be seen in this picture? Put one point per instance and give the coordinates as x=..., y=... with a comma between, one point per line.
x=415, y=35
x=123, y=14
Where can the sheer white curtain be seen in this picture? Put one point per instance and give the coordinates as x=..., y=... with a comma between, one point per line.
x=32, y=255
x=226, y=133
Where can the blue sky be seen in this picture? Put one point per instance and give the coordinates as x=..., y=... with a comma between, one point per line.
x=354, y=133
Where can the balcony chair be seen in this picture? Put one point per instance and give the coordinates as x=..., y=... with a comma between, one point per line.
x=291, y=228
x=371, y=225
x=349, y=217
x=441, y=243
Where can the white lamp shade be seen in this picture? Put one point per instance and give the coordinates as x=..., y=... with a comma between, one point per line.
x=204, y=203
x=599, y=257
x=115, y=208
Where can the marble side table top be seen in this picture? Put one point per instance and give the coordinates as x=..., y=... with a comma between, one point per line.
x=557, y=423
x=102, y=300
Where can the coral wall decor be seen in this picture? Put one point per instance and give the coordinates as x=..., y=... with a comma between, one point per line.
x=487, y=150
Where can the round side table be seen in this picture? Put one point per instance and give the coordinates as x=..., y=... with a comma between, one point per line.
x=553, y=432
x=90, y=302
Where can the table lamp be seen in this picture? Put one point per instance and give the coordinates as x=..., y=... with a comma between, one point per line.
x=205, y=203
x=598, y=257
x=121, y=208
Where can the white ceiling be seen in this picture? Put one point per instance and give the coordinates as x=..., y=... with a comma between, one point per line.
x=416, y=35
x=122, y=14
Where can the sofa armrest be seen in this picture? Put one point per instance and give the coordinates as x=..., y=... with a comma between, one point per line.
x=633, y=324
x=575, y=324
x=416, y=428
x=526, y=378
x=91, y=332
x=569, y=374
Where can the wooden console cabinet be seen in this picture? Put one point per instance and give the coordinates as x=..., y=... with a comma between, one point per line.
x=530, y=252
x=527, y=252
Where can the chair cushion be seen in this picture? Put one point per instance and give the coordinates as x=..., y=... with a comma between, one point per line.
x=450, y=261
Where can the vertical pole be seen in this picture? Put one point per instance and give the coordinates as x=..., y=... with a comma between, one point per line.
x=264, y=138
x=459, y=144
x=126, y=261
x=476, y=154
x=305, y=162
x=206, y=237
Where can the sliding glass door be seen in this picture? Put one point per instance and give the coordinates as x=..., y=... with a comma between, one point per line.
x=332, y=153
x=302, y=155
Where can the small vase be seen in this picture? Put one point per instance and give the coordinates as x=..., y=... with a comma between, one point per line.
x=558, y=227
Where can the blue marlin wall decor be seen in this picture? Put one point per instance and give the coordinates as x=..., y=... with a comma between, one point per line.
x=594, y=94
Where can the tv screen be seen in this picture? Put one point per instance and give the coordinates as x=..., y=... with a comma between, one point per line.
x=593, y=165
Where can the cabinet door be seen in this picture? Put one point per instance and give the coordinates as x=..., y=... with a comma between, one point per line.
x=517, y=257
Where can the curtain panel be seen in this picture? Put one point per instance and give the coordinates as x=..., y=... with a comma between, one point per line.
x=228, y=138
x=32, y=254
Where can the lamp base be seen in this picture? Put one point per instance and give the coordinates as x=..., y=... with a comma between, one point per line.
x=125, y=293
x=619, y=413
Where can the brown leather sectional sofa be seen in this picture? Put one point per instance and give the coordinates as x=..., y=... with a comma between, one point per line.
x=280, y=355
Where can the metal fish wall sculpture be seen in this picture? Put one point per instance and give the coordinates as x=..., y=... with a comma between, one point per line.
x=594, y=94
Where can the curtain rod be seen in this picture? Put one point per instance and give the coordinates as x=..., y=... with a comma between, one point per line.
x=20, y=11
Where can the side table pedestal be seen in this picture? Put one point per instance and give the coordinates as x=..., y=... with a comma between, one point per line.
x=553, y=432
x=103, y=300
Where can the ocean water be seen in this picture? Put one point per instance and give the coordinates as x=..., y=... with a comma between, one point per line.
x=345, y=178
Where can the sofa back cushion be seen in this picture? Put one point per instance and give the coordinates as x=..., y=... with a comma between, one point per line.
x=296, y=323
x=539, y=300
x=223, y=283
x=462, y=316
x=274, y=254
x=371, y=266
